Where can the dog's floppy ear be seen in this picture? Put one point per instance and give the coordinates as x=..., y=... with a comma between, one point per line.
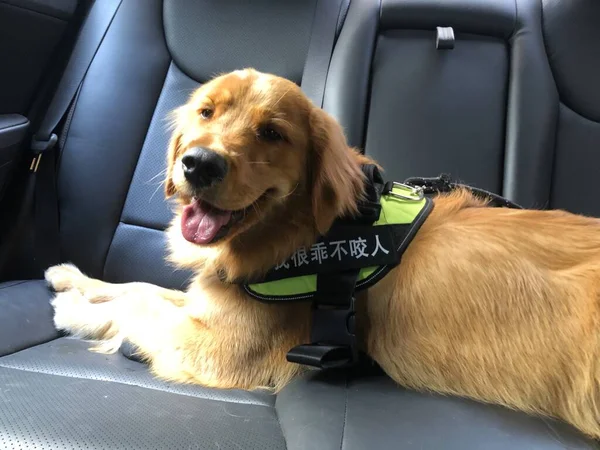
x=336, y=177
x=171, y=158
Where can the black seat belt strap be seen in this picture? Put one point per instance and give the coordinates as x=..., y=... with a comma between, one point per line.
x=45, y=139
x=320, y=49
x=92, y=33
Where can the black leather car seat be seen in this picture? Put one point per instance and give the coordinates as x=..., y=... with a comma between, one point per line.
x=478, y=111
x=572, y=38
x=112, y=213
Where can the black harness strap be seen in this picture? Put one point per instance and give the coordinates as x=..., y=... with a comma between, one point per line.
x=443, y=184
x=333, y=332
x=333, y=335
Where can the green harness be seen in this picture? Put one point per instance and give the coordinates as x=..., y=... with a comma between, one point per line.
x=372, y=248
x=355, y=254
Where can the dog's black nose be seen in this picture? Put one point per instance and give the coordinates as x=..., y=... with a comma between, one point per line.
x=202, y=167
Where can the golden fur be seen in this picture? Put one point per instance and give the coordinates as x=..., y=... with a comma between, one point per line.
x=493, y=304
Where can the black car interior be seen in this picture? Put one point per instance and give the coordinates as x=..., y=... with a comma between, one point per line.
x=503, y=95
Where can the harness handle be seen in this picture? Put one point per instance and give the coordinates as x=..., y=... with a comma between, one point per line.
x=443, y=184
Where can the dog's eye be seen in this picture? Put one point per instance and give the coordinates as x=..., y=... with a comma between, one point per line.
x=269, y=134
x=206, y=113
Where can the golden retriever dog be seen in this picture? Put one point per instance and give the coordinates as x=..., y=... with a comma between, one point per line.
x=493, y=304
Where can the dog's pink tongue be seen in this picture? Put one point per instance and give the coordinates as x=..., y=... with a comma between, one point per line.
x=201, y=222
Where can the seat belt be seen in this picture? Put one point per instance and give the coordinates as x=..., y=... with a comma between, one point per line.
x=333, y=340
x=320, y=49
x=43, y=143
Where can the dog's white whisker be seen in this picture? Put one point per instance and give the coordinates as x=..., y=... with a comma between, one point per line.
x=156, y=190
x=159, y=174
x=282, y=197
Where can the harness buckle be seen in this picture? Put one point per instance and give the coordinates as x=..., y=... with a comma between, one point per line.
x=414, y=194
x=334, y=344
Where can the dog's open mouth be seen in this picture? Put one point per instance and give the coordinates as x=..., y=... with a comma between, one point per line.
x=203, y=223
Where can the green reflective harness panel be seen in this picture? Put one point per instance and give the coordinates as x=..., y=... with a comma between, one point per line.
x=373, y=248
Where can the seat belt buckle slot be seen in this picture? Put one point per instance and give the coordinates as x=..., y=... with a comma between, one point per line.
x=444, y=38
x=39, y=146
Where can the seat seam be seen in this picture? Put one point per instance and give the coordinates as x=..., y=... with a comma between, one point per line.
x=29, y=10
x=15, y=350
x=124, y=222
x=567, y=104
x=135, y=168
x=10, y=127
x=10, y=284
x=143, y=387
x=345, y=413
x=279, y=424
x=515, y=21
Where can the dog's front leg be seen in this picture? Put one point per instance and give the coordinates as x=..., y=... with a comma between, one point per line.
x=67, y=277
x=148, y=316
x=94, y=309
x=210, y=336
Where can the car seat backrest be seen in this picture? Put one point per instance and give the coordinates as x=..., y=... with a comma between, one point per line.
x=485, y=111
x=111, y=198
x=206, y=38
x=480, y=111
x=572, y=36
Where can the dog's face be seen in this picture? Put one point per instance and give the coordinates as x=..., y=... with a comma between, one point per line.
x=247, y=144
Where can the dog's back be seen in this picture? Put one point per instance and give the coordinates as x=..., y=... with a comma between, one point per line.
x=496, y=304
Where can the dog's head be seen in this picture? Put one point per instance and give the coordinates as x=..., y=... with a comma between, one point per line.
x=250, y=157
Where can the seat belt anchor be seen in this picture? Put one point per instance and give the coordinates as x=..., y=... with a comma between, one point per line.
x=42, y=145
x=39, y=147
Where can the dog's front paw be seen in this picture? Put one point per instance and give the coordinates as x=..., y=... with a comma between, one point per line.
x=64, y=277
x=74, y=314
x=71, y=311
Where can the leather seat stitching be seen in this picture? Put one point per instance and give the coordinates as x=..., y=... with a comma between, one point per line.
x=138, y=385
